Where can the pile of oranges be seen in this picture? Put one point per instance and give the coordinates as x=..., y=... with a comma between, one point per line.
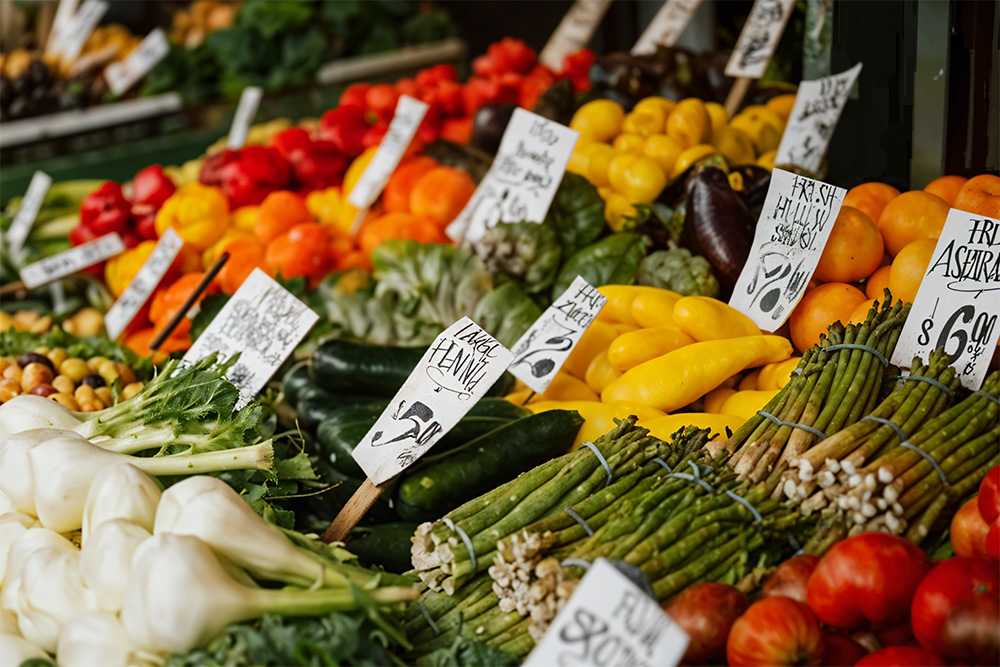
x=883, y=238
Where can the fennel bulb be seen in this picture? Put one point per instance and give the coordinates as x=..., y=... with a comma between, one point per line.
x=12, y=526
x=95, y=639
x=106, y=559
x=15, y=650
x=51, y=594
x=16, y=480
x=8, y=623
x=5, y=504
x=120, y=491
x=23, y=547
x=29, y=411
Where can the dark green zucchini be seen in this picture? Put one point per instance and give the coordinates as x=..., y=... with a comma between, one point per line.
x=341, y=432
x=386, y=545
x=488, y=414
x=316, y=404
x=485, y=463
x=341, y=366
x=295, y=380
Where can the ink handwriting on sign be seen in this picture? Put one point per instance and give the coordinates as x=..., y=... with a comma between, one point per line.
x=458, y=364
x=416, y=421
x=557, y=343
x=591, y=640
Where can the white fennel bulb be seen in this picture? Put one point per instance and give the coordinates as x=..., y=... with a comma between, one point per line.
x=16, y=479
x=12, y=526
x=23, y=548
x=30, y=411
x=15, y=649
x=51, y=594
x=94, y=639
x=106, y=559
x=120, y=491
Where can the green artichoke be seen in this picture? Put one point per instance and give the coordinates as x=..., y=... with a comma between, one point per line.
x=524, y=253
x=679, y=271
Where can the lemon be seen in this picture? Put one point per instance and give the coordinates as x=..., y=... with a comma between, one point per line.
x=717, y=115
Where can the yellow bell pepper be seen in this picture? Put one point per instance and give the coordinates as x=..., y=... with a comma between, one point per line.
x=646, y=122
x=777, y=375
x=210, y=254
x=595, y=340
x=629, y=143
x=715, y=399
x=617, y=209
x=767, y=159
x=782, y=105
x=663, y=150
x=636, y=347
x=600, y=120
x=325, y=205
x=120, y=269
x=734, y=145
x=655, y=308
x=244, y=219
x=689, y=156
x=600, y=372
x=717, y=116
x=673, y=380
x=689, y=123
x=763, y=126
x=620, y=298
x=642, y=179
x=599, y=157
x=749, y=382
x=704, y=318
x=351, y=177
x=666, y=426
x=198, y=213
x=654, y=104
x=599, y=418
x=564, y=387
x=745, y=404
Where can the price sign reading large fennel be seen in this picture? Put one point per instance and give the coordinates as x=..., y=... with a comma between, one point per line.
x=71, y=261
x=243, y=117
x=958, y=301
x=610, y=621
x=149, y=275
x=123, y=75
x=455, y=372
x=667, y=26
x=794, y=225
x=542, y=350
x=263, y=322
x=759, y=38
x=31, y=204
x=523, y=179
x=814, y=117
x=574, y=31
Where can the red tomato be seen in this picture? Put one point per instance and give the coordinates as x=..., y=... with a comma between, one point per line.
x=894, y=634
x=968, y=530
x=776, y=631
x=871, y=577
x=993, y=540
x=989, y=496
x=842, y=651
x=948, y=585
x=791, y=578
x=901, y=656
x=706, y=612
x=971, y=631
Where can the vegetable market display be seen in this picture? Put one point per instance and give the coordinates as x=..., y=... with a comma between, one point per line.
x=786, y=497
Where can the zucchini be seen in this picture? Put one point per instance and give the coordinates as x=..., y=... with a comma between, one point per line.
x=386, y=545
x=431, y=491
x=295, y=380
x=489, y=413
x=341, y=366
x=316, y=404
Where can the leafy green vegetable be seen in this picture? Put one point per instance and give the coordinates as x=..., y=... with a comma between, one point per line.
x=577, y=213
x=611, y=261
x=506, y=312
x=525, y=253
x=679, y=271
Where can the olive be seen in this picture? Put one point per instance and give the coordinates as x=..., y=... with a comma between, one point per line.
x=93, y=380
x=33, y=358
x=44, y=390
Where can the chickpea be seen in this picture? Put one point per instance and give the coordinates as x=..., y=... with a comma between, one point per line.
x=41, y=349
x=35, y=374
x=57, y=356
x=88, y=322
x=12, y=372
x=69, y=326
x=5, y=362
x=63, y=384
x=66, y=400
x=6, y=321
x=84, y=394
x=41, y=325
x=74, y=368
x=108, y=371
x=23, y=319
x=9, y=389
x=104, y=394
x=94, y=363
x=125, y=374
x=92, y=406
x=131, y=390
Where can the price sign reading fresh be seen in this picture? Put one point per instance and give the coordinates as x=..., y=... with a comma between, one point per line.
x=123, y=75
x=31, y=204
x=958, y=301
x=574, y=31
x=814, y=117
x=610, y=621
x=759, y=38
x=243, y=117
x=542, y=350
x=149, y=275
x=794, y=225
x=72, y=39
x=667, y=26
x=71, y=261
x=523, y=179
x=263, y=322
x=455, y=372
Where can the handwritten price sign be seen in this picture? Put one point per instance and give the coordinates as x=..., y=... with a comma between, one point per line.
x=149, y=275
x=667, y=26
x=759, y=38
x=958, y=302
x=67, y=263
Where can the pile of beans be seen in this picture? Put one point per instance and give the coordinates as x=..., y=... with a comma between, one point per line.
x=86, y=322
x=79, y=384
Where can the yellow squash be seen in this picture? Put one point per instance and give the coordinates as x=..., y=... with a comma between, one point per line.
x=595, y=340
x=600, y=372
x=636, y=347
x=777, y=375
x=704, y=318
x=655, y=308
x=715, y=399
x=564, y=387
x=619, y=306
x=599, y=418
x=745, y=404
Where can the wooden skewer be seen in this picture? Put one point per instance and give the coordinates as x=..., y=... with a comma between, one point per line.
x=12, y=288
x=189, y=302
x=736, y=95
x=356, y=507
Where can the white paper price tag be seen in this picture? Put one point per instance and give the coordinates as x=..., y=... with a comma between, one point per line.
x=62, y=21
x=814, y=117
x=149, y=275
x=243, y=117
x=610, y=621
x=759, y=38
x=263, y=322
x=31, y=204
x=574, y=31
x=667, y=26
x=409, y=114
x=123, y=75
x=456, y=371
x=523, y=179
x=794, y=225
x=69, y=262
x=958, y=302
x=72, y=39
x=544, y=348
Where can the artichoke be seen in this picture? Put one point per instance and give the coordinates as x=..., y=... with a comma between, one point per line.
x=524, y=253
x=679, y=271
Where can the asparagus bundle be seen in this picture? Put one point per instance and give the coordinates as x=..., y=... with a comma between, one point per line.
x=835, y=384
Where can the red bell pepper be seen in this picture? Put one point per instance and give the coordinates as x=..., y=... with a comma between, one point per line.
x=247, y=175
x=150, y=188
x=576, y=68
x=316, y=163
x=947, y=586
x=989, y=496
x=105, y=210
x=345, y=126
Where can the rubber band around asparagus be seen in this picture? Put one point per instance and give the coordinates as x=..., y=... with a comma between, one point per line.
x=189, y=302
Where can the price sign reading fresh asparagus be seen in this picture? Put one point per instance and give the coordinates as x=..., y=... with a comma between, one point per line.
x=523, y=179
x=794, y=225
x=71, y=261
x=243, y=117
x=263, y=322
x=542, y=350
x=123, y=75
x=759, y=38
x=667, y=26
x=610, y=621
x=76, y=32
x=149, y=275
x=31, y=204
x=814, y=117
x=574, y=31
x=958, y=302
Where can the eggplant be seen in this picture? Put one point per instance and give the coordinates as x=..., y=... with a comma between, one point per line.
x=489, y=124
x=756, y=181
x=558, y=103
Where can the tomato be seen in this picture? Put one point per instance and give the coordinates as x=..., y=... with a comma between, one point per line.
x=989, y=496
x=968, y=530
x=948, y=585
x=791, y=578
x=993, y=540
x=842, y=651
x=896, y=633
x=871, y=577
x=971, y=631
x=776, y=631
x=901, y=656
x=706, y=612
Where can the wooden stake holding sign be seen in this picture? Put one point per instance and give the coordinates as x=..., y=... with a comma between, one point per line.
x=574, y=31
x=189, y=302
x=666, y=27
x=755, y=47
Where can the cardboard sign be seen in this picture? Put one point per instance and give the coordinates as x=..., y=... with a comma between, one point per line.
x=814, y=117
x=759, y=38
x=794, y=225
x=123, y=75
x=574, y=31
x=149, y=275
x=263, y=322
x=958, y=302
x=71, y=261
x=243, y=118
x=544, y=348
x=610, y=621
x=667, y=26
x=523, y=179
x=31, y=204
x=456, y=371
x=74, y=36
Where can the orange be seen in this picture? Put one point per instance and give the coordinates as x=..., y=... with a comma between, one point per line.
x=870, y=198
x=820, y=308
x=877, y=282
x=853, y=251
x=910, y=216
x=860, y=314
x=980, y=195
x=441, y=194
x=946, y=187
x=909, y=267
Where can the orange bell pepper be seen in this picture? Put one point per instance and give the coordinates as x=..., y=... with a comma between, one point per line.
x=279, y=212
x=120, y=269
x=302, y=251
x=399, y=226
